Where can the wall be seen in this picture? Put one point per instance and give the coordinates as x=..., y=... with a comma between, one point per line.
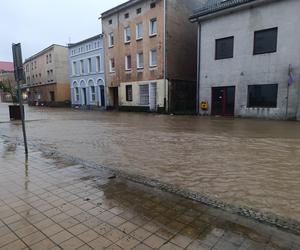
x=120, y=50
x=98, y=78
x=245, y=68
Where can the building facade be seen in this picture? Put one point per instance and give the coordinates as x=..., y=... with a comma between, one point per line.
x=251, y=68
x=7, y=77
x=149, y=55
x=46, y=74
x=86, y=64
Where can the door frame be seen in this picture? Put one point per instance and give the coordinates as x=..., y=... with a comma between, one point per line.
x=224, y=100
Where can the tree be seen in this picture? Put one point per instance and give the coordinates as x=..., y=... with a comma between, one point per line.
x=7, y=87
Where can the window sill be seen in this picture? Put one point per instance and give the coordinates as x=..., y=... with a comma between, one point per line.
x=152, y=35
x=139, y=39
x=110, y=47
x=153, y=67
x=262, y=53
x=127, y=42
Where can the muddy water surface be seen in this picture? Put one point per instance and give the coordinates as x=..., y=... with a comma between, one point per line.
x=253, y=163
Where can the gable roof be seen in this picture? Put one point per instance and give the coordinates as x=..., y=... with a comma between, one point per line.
x=120, y=7
x=6, y=67
x=70, y=45
x=213, y=6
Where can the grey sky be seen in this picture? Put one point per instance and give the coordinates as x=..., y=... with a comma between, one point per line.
x=40, y=23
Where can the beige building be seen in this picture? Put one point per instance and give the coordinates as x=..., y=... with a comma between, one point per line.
x=150, y=55
x=47, y=81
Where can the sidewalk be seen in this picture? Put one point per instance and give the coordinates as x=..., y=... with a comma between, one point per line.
x=49, y=203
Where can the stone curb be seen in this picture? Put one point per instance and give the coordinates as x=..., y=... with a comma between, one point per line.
x=290, y=225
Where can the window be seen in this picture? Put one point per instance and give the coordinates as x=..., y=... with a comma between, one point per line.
x=51, y=75
x=126, y=15
x=111, y=40
x=153, y=27
x=128, y=62
x=127, y=35
x=144, y=94
x=152, y=5
x=90, y=65
x=140, y=60
x=110, y=21
x=81, y=67
x=153, y=58
x=129, y=93
x=262, y=96
x=98, y=62
x=112, y=65
x=50, y=58
x=74, y=68
x=93, y=93
x=224, y=48
x=265, y=41
x=76, y=94
x=47, y=59
x=139, y=31
x=139, y=11
x=31, y=66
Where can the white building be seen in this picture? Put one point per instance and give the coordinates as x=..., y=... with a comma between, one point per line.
x=86, y=60
x=249, y=58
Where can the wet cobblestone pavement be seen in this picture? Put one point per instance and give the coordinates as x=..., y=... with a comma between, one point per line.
x=50, y=203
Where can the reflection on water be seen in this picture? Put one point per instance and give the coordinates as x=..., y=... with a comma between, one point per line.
x=252, y=163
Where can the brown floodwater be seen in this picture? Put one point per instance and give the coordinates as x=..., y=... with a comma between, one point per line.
x=252, y=163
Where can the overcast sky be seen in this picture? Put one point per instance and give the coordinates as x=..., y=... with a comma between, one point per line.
x=36, y=24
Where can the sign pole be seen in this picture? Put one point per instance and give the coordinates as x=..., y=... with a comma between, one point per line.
x=18, y=65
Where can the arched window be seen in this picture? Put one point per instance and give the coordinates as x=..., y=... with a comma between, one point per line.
x=92, y=90
x=76, y=91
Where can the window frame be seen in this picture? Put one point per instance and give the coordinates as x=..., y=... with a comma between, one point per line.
x=129, y=97
x=98, y=64
x=138, y=60
x=140, y=96
x=111, y=40
x=93, y=95
x=151, y=57
x=125, y=35
x=262, y=106
x=127, y=68
x=266, y=51
x=137, y=33
x=216, y=48
x=150, y=27
x=111, y=63
x=90, y=66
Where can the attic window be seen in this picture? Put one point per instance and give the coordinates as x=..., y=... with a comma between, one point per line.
x=152, y=5
x=110, y=21
x=139, y=11
x=126, y=15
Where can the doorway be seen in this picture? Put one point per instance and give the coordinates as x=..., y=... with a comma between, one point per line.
x=102, y=96
x=84, y=99
x=223, y=101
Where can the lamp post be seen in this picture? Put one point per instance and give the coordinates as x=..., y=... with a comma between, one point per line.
x=18, y=66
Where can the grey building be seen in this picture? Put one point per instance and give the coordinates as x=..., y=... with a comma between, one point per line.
x=87, y=80
x=249, y=58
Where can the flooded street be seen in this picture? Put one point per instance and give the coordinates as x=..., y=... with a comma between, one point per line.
x=251, y=163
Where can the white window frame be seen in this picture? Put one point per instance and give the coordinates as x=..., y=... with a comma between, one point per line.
x=137, y=31
x=138, y=62
x=81, y=67
x=112, y=69
x=151, y=58
x=150, y=27
x=146, y=86
x=76, y=94
x=98, y=63
x=90, y=65
x=93, y=94
x=126, y=63
x=111, y=40
x=125, y=34
x=74, y=68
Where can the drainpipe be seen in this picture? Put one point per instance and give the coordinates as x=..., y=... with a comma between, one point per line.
x=165, y=58
x=198, y=68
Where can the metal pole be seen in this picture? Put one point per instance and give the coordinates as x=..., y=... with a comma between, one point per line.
x=22, y=110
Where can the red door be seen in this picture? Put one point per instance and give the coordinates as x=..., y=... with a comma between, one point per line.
x=223, y=100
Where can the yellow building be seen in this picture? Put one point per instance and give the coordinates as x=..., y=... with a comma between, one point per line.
x=47, y=81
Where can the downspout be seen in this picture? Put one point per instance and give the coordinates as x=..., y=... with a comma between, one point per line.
x=198, y=69
x=165, y=58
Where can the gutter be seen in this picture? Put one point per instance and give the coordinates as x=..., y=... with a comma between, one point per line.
x=198, y=68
